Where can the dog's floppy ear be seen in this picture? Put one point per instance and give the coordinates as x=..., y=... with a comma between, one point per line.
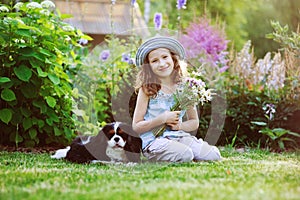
x=133, y=145
x=128, y=129
x=133, y=149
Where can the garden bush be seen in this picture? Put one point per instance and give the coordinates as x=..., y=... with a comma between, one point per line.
x=38, y=55
x=104, y=84
x=250, y=87
x=263, y=98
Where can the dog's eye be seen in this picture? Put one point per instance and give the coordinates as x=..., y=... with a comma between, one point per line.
x=111, y=132
x=120, y=132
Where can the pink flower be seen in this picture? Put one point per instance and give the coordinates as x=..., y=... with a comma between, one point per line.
x=206, y=42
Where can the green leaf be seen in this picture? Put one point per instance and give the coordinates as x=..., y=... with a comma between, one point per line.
x=68, y=133
x=46, y=52
x=17, y=117
x=27, y=52
x=15, y=137
x=86, y=37
x=40, y=123
x=51, y=101
x=6, y=115
x=28, y=90
x=54, y=79
x=259, y=123
x=23, y=32
x=294, y=134
x=27, y=123
x=25, y=112
x=53, y=116
x=281, y=144
x=279, y=132
x=23, y=73
x=66, y=16
x=32, y=133
x=4, y=79
x=49, y=121
x=34, y=63
x=8, y=95
x=57, y=132
x=41, y=73
x=40, y=104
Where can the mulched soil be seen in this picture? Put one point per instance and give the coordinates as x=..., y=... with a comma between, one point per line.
x=44, y=149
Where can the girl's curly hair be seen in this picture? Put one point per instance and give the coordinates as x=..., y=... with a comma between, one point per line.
x=148, y=81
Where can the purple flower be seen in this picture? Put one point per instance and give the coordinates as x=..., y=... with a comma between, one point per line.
x=126, y=58
x=206, y=42
x=223, y=69
x=181, y=4
x=104, y=55
x=83, y=41
x=195, y=82
x=157, y=21
x=133, y=2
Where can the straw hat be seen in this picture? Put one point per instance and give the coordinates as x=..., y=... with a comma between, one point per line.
x=158, y=42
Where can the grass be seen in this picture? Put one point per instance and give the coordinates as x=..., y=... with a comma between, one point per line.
x=255, y=174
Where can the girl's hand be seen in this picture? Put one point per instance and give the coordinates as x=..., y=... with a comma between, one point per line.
x=175, y=127
x=171, y=117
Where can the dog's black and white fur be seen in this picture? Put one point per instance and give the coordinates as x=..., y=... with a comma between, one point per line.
x=115, y=142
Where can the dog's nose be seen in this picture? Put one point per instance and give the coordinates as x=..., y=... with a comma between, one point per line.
x=116, y=139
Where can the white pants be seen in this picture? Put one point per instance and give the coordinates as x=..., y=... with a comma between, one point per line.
x=181, y=149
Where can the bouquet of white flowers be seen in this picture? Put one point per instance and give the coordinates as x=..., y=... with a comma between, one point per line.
x=190, y=92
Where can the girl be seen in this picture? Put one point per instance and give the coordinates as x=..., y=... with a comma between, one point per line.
x=159, y=76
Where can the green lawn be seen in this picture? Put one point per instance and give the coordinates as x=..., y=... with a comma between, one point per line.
x=252, y=175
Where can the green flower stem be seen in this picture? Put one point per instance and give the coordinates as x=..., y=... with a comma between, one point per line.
x=158, y=132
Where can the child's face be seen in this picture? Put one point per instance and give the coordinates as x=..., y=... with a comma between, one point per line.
x=161, y=62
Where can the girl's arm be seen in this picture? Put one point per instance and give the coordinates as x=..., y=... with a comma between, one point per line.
x=191, y=124
x=140, y=125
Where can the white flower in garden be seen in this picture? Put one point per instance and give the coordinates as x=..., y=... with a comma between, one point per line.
x=33, y=5
x=244, y=61
x=18, y=5
x=4, y=9
x=48, y=5
x=67, y=38
x=190, y=92
x=276, y=74
x=269, y=110
x=45, y=12
x=68, y=28
x=19, y=41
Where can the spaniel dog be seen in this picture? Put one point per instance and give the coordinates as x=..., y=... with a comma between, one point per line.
x=116, y=142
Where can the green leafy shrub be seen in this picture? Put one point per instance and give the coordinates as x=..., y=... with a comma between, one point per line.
x=104, y=84
x=37, y=50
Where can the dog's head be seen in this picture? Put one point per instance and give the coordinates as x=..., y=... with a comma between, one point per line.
x=117, y=134
x=123, y=144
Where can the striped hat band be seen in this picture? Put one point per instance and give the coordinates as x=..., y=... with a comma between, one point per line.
x=155, y=43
